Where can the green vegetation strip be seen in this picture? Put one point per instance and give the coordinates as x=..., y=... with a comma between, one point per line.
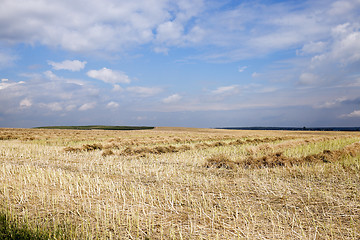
x=98, y=127
x=10, y=231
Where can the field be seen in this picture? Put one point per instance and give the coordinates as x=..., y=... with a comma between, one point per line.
x=96, y=127
x=178, y=183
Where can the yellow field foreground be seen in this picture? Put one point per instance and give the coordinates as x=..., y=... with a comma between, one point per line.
x=177, y=183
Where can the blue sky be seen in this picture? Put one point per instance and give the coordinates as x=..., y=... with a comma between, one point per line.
x=193, y=63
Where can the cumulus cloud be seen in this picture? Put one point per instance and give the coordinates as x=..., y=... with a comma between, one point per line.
x=347, y=48
x=117, y=88
x=109, y=76
x=354, y=114
x=67, y=24
x=112, y=26
x=176, y=30
x=144, y=91
x=172, y=98
x=169, y=31
x=312, y=48
x=308, y=79
x=333, y=103
x=50, y=75
x=87, y=106
x=335, y=63
x=112, y=105
x=71, y=65
x=233, y=89
x=53, y=106
x=344, y=46
x=70, y=107
x=120, y=25
x=53, y=77
x=5, y=83
x=25, y=103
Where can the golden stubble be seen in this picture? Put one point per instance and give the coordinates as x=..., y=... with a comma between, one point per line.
x=171, y=191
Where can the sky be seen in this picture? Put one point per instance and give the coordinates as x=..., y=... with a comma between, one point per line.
x=186, y=63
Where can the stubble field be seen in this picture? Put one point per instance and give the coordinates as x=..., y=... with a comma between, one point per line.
x=178, y=183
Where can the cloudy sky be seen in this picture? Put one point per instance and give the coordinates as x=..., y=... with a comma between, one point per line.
x=195, y=63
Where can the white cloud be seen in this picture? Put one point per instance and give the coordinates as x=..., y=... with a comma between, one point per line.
x=53, y=77
x=87, y=106
x=233, y=89
x=112, y=105
x=341, y=7
x=312, y=48
x=172, y=33
x=347, y=49
x=335, y=64
x=177, y=31
x=119, y=25
x=25, y=103
x=94, y=26
x=162, y=50
x=169, y=31
x=241, y=69
x=71, y=65
x=308, y=79
x=5, y=83
x=50, y=75
x=172, y=98
x=70, y=107
x=144, y=91
x=109, y=76
x=117, y=88
x=344, y=47
x=267, y=90
x=354, y=114
x=54, y=106
x=333, y=103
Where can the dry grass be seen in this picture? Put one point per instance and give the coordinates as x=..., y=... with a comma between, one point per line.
x=182, y=183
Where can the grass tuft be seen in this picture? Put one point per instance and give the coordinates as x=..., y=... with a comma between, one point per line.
x=107, y=152
x=220, y=161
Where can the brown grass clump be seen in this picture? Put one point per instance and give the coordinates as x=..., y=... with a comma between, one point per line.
x=184, y=148
x=8, y=137
x=220, y=161
x=111, y=146
x=142, y=151
x=86, y=147
x=353, y=149
x=273, y=160
x=326, y=156
x=72, y=149
x=218, y=144
x=164, y=149
x=107, y=152
x=278, y=159
x=202, y=145
x=92, y=147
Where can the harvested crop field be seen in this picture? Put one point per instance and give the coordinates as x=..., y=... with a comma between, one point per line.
x=179, y=183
